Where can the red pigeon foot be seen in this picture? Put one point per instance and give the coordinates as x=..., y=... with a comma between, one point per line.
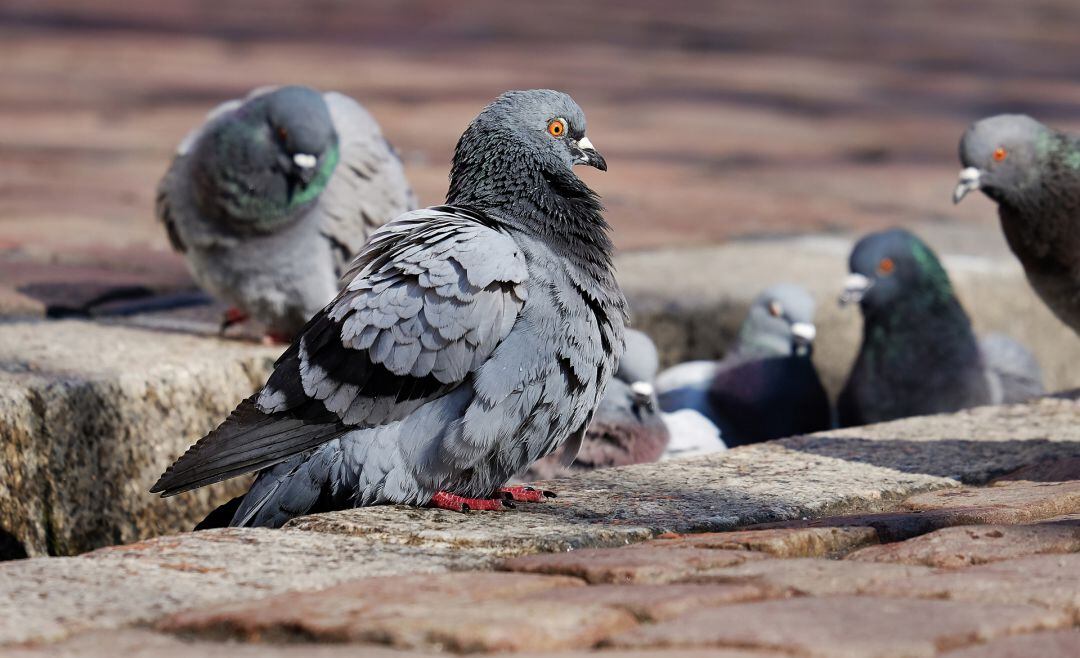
x=526, y=494
x=232, y=316
x=455, y=503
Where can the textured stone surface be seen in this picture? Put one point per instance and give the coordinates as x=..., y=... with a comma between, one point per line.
x=781, y=542
x=812, y=577
x=147, y=644
x=1006, y=502
x=863, y=627
x=653, y=602
x=50, y=598
x=645, y=563
x=1051, y=644
x=91, y=415
x=966, y=545
x=1051, y=581
x=456, y=612
x=1053, y=470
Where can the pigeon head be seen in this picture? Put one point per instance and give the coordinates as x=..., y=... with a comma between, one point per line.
x=893, y=269
x=523, y=146
x=780, y=323
x=1001, y=155
x=639, y=362
x=270, y=158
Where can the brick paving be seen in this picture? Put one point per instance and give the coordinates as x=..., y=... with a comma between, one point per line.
x=832, y=591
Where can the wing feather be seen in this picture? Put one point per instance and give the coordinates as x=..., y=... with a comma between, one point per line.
x=412, y=324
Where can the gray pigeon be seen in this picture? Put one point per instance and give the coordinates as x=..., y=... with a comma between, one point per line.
x=270, y=199
x=766, y=387
x=627, y=427
x=919, y=354
x=471, y=340
x=1033, y=173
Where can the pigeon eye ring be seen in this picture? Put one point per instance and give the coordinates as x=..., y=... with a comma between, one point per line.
x=557, y=127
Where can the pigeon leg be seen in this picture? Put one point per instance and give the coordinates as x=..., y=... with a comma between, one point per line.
x=524, y=494
x=455, y=503
x=232, y=316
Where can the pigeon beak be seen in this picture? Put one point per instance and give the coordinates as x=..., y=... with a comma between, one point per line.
x=643, y=393
x=804, y=333
x=305, y=167
x=969, y=180
x=855, y=287
x=586, y=154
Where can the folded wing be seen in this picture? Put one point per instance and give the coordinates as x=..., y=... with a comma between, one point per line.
x=428, y=300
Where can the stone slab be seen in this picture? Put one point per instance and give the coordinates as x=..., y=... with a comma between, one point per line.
x=863, y=626
x=1050, y=581
x=963, y=546
x=1052, y=644
x=780, y=542
x=641, y=564
x=459, y=612
x=91, y=415
x=867, y=469
x=47, y=599
x=141, y=643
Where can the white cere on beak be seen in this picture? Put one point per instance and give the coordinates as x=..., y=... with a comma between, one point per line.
x=969, y=181
x=584, y=143
x=804, y=331
x=855, y=286
x=305, y=160
x=643, y=389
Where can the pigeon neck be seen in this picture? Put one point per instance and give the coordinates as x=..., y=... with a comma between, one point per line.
x=933, y=329
x=556, y=207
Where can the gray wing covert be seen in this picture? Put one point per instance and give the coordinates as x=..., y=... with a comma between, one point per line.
x=431, y=297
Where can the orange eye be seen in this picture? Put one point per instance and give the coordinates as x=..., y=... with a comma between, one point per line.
x=886, y=266
x=557, y=127
x=1000, y=154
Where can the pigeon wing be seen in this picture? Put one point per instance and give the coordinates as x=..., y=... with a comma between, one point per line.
x=429, y=299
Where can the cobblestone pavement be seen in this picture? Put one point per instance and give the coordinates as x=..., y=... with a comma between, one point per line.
x=968, y=571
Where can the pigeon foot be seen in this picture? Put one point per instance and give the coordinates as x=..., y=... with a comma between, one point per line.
x=232, y=316
x=524, y=494
x=455, y=503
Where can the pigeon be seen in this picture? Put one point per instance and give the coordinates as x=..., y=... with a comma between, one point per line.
x=271, y=197
x=919, y=354
x=471, y=340
x=627, y=427
x=767, y=386
x=1033, y=173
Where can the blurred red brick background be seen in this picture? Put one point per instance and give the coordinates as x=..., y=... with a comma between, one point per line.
x=719, y=119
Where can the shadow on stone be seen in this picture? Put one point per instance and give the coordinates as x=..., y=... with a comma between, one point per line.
x=966, y=460
x=10, y=547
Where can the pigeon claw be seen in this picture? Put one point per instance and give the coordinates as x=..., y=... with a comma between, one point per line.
x=525, y=494
x=455, y=503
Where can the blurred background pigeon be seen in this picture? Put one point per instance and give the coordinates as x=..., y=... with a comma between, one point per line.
x=429, y=379
x=919, y=354
x=627, y=427
x=1033, y=173
x=766, y=387
x=270, y=199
